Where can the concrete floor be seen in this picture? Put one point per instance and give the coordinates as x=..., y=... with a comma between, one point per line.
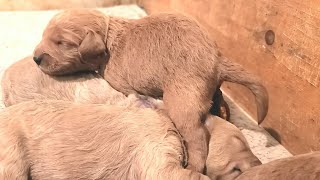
x=21, y=31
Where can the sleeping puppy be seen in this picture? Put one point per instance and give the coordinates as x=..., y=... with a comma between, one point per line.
x=63, y=140
x=299, y=167
x=229, y=152
x=24, y=81
x=165, y=55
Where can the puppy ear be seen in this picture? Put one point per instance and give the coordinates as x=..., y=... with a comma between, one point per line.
x=92, y=49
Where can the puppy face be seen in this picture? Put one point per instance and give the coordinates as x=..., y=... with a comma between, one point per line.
x=72, y=41
x=229, y=153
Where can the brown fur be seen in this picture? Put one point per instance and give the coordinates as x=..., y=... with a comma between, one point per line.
x=165, y=55
x=24, y=81
x=229, y=152
x=299, y=167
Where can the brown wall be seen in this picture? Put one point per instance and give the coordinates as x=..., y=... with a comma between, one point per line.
x=290, y=67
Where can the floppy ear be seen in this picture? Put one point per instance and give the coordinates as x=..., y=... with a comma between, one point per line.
x=92, y=49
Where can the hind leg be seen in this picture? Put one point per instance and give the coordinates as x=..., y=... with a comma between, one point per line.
x=187, y=106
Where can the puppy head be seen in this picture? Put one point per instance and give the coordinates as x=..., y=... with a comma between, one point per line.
x=74, y=40
x=229, y=153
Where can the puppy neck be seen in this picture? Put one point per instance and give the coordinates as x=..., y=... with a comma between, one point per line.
x=115, y=30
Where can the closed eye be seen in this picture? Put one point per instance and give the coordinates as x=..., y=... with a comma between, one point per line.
x=65, y=44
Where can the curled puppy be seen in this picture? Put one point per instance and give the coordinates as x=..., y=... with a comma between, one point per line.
x=165, y=55
x=24, y=81
x=63, y=140
x=229, y=152
x=299, y=167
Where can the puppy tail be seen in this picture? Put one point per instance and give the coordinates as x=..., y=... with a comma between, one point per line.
x=235, y=73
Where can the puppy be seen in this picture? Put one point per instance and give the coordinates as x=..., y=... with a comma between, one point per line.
x=229, y=152
x=24, y=81
x=165, y=55
x=300, y=167
x=64, y=140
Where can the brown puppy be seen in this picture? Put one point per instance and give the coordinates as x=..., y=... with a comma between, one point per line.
x=229, y=152
x=64, y=140
x=24, y=81
x=165, y=55
x=300, y=167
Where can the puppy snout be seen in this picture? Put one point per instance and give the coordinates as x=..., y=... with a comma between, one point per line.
x=37, y=59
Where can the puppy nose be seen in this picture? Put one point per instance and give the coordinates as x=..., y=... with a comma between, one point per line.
x=37, y=59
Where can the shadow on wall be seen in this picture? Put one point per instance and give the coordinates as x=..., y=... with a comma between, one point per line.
x=16, y=5
x=239, y=119
x=274, y=134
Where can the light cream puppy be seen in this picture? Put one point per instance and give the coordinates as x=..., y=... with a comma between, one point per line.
x=300, y=167
x=65, y=140
x=24, y=81
x=229, y=152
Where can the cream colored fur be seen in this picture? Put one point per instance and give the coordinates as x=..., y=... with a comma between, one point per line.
x=24, y=81
x=229, y=152
x=63, y=140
